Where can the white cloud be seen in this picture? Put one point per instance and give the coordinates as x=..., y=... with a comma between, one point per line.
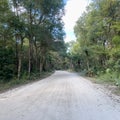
x=73, y=10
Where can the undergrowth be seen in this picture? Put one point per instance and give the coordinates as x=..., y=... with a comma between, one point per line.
x=23, y=80
x=109, y=77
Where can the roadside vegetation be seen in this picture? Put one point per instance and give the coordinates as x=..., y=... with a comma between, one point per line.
x=13, y=83
x=96, y=52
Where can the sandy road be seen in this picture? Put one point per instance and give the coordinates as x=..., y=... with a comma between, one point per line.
x=62, y=96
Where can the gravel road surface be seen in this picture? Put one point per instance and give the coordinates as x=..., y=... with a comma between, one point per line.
x=62, y=96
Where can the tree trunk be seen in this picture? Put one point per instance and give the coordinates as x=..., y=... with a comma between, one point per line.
x=88, y=66
x=42, y=60
x=29, y=65
x=16, y=55
x=19, y=66
x=36, y=56
x=30, y=43
x=20, y=59
x=41, y=66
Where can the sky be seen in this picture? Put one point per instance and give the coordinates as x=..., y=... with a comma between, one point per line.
x=73, y=10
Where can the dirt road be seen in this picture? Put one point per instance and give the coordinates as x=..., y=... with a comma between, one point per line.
x=62, y=96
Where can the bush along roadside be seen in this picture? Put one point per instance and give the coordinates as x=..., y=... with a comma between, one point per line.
x=24, y=80
x=109, y=77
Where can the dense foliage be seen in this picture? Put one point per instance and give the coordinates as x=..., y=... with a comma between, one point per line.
x=31, y=37
x=97, y=49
